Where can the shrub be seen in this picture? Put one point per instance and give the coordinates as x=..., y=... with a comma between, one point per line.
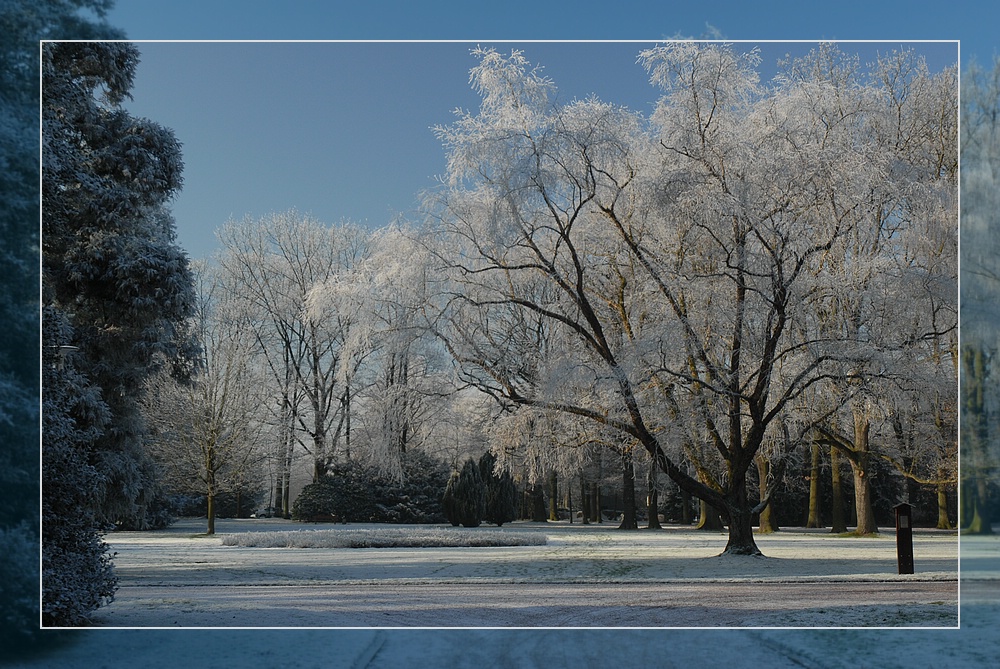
x=317, y=500
x=77, y=574
x=353, y=492
x=415, y=499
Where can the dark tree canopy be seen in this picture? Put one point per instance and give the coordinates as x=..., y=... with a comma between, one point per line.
x=110, y=262
x=116, y=290
x=23, y=23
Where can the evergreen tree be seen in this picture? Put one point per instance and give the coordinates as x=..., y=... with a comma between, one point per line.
x=501, y=493
x=448, y=503
x=109, y=261
x=465, y=496
x=77, y=575
x=116, y=289
x=23, y=23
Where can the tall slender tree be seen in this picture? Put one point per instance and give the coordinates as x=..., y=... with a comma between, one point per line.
x=207, y=432
x=272, y=265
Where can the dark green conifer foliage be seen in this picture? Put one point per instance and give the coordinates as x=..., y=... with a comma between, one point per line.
x=116, y=291
x=465, y=496
x=501, y=492
x=448, y=502
x=23, y=23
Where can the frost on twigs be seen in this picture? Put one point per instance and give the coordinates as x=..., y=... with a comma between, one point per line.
x=384, y=538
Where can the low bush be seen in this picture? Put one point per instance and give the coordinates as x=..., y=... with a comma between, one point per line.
x=384, y=538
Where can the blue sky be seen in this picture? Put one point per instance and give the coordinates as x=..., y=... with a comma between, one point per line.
x=343, y=131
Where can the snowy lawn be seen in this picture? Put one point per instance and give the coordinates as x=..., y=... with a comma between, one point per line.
x=577, y=576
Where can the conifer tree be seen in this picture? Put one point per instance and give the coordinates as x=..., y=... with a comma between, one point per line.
x=501, y=493
x=23, y=23
x=117, y=290
x=465, y=496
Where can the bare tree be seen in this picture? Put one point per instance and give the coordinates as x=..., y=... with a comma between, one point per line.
x=209, y=436
x=271, y=266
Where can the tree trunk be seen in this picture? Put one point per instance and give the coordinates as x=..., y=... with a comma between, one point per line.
x=741, y=541
x=595, y=500
x=629, y=521
x=584, y=501
x=943, y=523
x=686, y=517
x=839, y=521
x=709, y=518
x=553, y=496
x=652, y=498
x=975, y=438
x=538, y=512
x=768, y=521
x=815, y=518
x=286, y=499
x=981, y=521
x=862, y=477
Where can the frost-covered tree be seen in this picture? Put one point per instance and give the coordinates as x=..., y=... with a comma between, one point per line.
x=109, y=259
x=118, y=287
x=663, y=279
x=312, y=350
x=897, y=268
x=77, y=574
x=207, y=430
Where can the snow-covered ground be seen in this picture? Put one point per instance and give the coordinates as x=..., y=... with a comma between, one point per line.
x=584, y=576
x=163, y=574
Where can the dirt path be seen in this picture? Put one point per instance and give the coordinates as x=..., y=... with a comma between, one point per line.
x=710, y=604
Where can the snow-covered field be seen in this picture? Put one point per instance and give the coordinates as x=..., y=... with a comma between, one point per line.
x=583, y=576
x=809, y=579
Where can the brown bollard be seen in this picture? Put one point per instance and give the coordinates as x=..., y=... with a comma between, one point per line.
x=904, y=538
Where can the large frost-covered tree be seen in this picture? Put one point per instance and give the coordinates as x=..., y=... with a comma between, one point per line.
x=667, y=279
x=117, y=284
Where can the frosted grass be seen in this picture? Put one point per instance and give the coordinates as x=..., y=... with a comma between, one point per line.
x=384, y=538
